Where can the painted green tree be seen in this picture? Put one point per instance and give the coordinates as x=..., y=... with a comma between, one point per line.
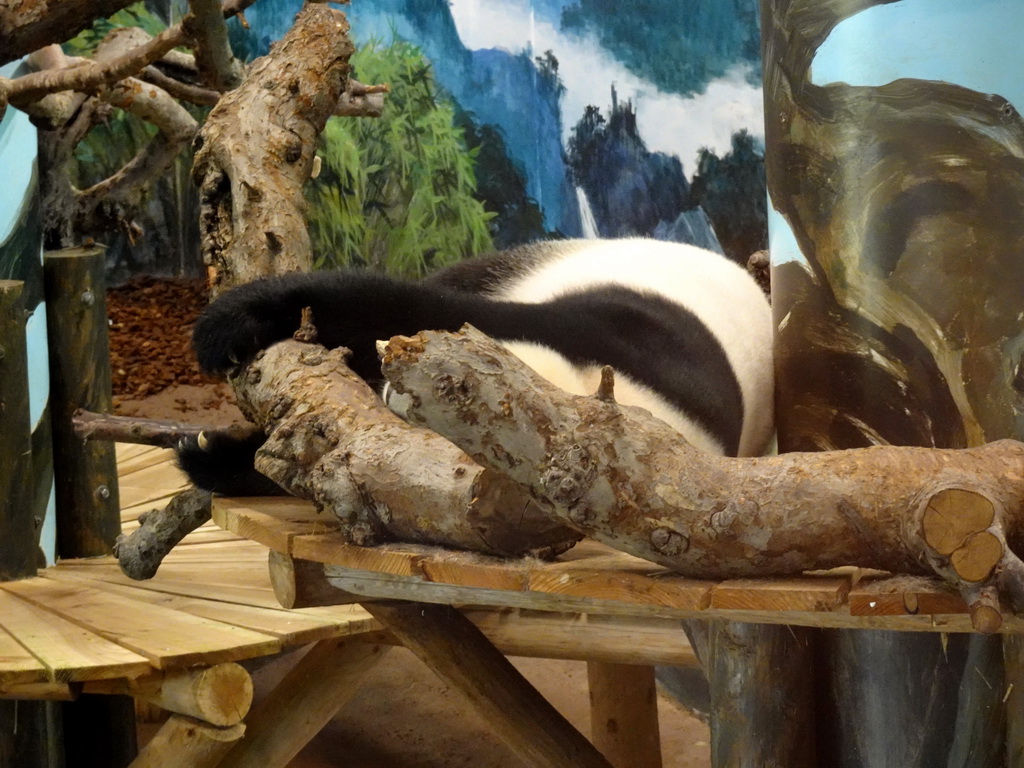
x=397, y=193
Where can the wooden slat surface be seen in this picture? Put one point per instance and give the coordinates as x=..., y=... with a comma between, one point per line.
x=66, y=650
x=166, y=637
x=17, y=665
x=597, y=579
x=211, y=601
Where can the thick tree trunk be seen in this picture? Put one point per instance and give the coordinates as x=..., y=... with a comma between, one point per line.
x=256, y=151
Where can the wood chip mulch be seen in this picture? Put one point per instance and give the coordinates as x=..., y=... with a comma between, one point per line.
x=150, y=334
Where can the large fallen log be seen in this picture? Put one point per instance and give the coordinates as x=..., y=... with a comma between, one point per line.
x=626, y=479
x=332, y=440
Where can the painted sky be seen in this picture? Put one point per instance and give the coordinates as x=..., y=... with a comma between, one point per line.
x=975, y=43
x=668, y=122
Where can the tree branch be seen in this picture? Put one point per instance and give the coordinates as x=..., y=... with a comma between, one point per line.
x=627, y=479
x=89, y=77
x=29, y=25
x=141, y=553
x=205, y=26
x=108, y=199
x=128, y=429
x=256, y=151
x=193, y=94
x=333, y=441
x=359, y=100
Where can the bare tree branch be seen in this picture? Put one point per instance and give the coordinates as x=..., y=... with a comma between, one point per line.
x=193, y=94
x=141, y=553
x=128, y=429
x=28, y=25
x=89, y=77
x=205, y=26
x=332, y=440
x=123, y=190
x=628, y=480
x=361, y=100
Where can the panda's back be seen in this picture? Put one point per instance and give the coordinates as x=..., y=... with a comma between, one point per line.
x=718, y=292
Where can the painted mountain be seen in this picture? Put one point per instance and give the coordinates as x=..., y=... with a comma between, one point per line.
x=588, y=118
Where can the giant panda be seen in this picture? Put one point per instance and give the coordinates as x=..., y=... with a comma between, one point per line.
x=687, y=331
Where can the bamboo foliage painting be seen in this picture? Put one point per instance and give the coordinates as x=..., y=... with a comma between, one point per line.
x=902, y=322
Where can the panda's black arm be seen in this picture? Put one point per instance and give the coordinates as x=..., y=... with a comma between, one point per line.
x=350, y=309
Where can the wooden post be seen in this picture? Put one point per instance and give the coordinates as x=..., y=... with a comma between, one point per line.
x=18, y=537
x=85, y=473
x=459, y=653
x=762, y=695
x=88, y=514
x=624, y=714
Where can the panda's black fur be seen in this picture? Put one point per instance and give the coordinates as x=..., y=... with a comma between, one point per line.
x=687, y=332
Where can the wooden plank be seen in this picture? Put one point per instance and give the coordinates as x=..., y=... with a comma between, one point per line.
x=470, y=570
x=257, y=594
x=17, y=665
x=290, y=628
x=164, y=636
x=633, y=584
x=332, y=549
x=272, y=521
x=133, y=456
x=590, y=637
x=125, y=451
x=68, y=652
x=797, y=594
x=904, y=595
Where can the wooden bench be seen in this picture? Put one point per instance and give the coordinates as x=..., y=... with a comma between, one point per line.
x=604, y=606
x=83, y=627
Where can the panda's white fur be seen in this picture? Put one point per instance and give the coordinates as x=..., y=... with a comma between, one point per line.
x=718, y=291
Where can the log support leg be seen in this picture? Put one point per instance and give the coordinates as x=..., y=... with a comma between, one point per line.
x=624, y=714
x=186, y=743
x=303, y=702
x=466, y=660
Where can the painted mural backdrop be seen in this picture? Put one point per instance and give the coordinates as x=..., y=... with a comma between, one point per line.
x=897, y=183
x=895, y=159
x=21, y=259
x=512, y=120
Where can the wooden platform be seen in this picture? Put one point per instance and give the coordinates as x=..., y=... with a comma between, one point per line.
x=595, y=580
x=210, y=602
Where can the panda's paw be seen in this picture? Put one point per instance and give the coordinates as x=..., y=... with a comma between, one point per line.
x=224, y=339
x=224, y=464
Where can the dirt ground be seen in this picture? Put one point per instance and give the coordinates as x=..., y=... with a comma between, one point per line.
x=402, y=715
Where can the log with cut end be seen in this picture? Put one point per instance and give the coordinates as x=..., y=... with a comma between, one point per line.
x=623, y=477
x=332, y=440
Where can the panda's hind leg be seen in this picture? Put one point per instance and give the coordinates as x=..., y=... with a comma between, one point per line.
x=223, y=463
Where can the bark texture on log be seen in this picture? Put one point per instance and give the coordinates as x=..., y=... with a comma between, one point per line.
x=141, y=553
x=29, y=25
x=252, y=208
x=628, y=480
x=18, y=536
x=88, y=512
x=333, y=441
